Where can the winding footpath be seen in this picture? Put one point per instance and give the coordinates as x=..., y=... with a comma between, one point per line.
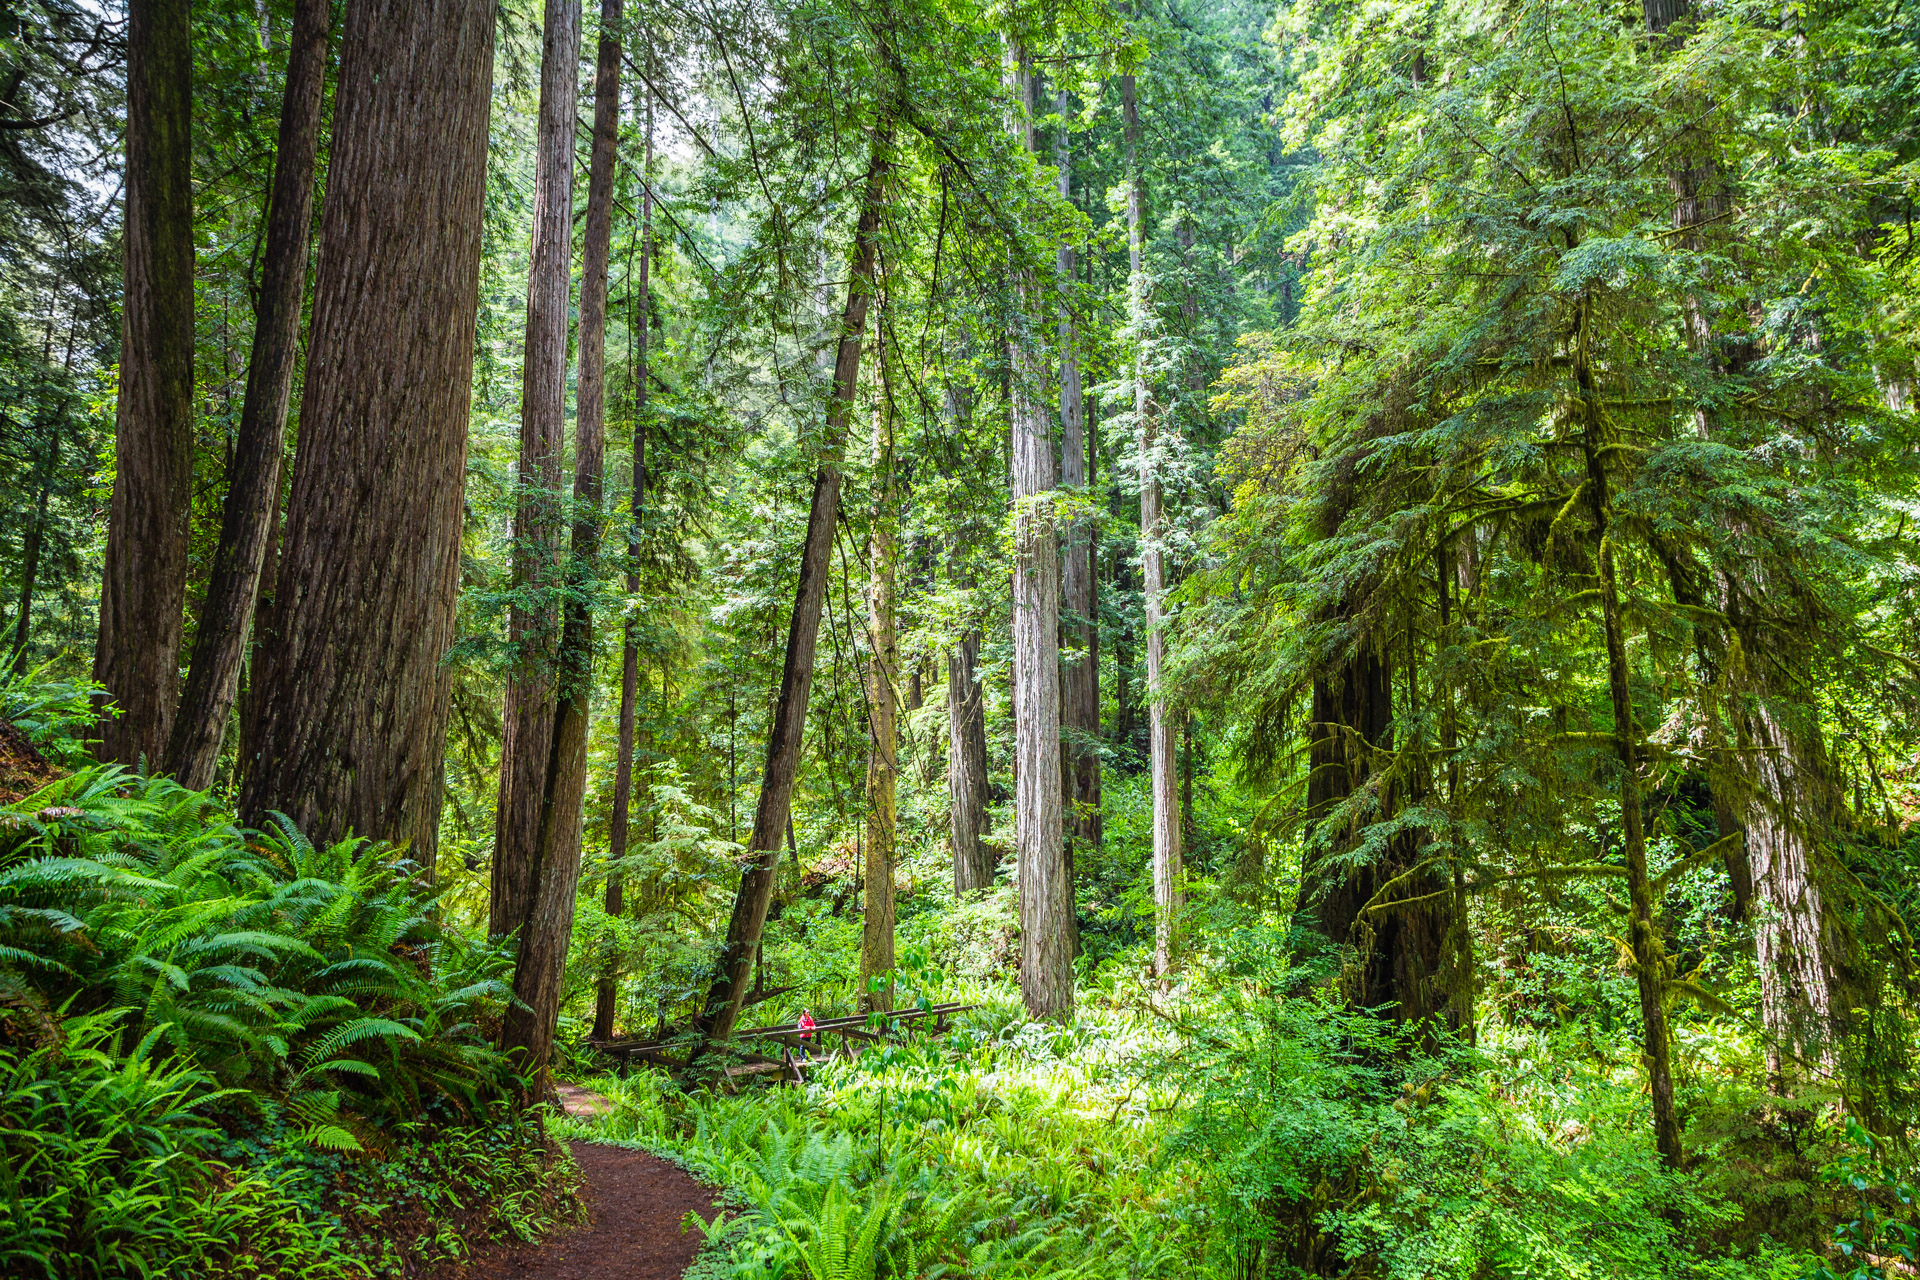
x=635, y=1205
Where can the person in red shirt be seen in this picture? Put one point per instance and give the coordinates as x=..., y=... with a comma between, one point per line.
x=806, y=1026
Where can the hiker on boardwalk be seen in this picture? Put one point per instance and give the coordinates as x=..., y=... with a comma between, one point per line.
x=806, y=1026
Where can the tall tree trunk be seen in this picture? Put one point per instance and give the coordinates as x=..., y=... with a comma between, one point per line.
x=1782, y=801
x=973, y=863
x=883, y=668
x=1167, y=891
x=1046, y=883
x=1080, y=674
x=1649, y=953
x=560, y=788
x=967, y=765
x=535, y=623
x=1406, y=954
x=749, y=916
x=352, y=687
x=143, y=588
x=1771, y=781
x=1123, y=665
x=30, y=552
x=253, y=485
x=621, y=821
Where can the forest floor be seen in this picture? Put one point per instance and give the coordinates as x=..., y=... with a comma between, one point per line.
x=635, y=1205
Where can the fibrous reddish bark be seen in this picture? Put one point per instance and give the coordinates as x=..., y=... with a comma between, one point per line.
x=253, y=483
x=535, y=623
x=351, y=684
x=143, y=587
x=749, y=917
x=967, y=765
x=542, y=878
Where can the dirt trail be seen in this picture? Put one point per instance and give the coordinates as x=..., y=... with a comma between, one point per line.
x=635, y=1204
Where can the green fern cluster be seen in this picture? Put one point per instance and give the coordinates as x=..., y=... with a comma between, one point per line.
x=310, y=978
x=169, y=979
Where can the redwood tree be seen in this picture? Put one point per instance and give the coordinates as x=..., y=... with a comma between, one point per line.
x=352, y=685
x=593, y=287
x=143, y=588
x=1153, y=571
x=535, y=623
x=1046, y=885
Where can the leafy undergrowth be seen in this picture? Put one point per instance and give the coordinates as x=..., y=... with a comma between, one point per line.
x=227, y=1052
x=1248, y=1126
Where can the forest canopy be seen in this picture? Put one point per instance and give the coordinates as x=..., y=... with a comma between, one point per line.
x=1101, y=639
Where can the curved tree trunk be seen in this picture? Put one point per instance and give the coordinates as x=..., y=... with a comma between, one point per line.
x=535, y=623
x=352, y=688
x=1649, y=951
x=144, y=585
x=749, y=918
x=253, y=487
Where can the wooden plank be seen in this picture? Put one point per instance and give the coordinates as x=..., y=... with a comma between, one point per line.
x=755, y=1068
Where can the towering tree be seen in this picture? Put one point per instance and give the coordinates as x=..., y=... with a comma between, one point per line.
x=536, y=882
x=253, y=484
x=1080, y=632
x=770, y=816
x=352, y=684
x=143, y=588
x=1167, y=892
x=534, y=627
x=608, y=73
x=1046, y=886
x=883, y=671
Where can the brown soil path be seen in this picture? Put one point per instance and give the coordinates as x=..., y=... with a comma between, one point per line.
x=635, y=1204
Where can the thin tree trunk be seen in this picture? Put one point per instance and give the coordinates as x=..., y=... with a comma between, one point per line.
x=1123, y=665
x=143, y=588
x=353, y=690
x=749, y=916
x=1167, y=893
x=253, y=486
x=1046, y=885
x=973, y=864
x=535, y=622
x=1649, y=954
x=883, y=664
x=30, y=552
x=1459, y=930
x=617, y=836
x=1080, y=675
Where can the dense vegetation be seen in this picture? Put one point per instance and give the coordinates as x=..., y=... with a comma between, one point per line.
x=1342, y=575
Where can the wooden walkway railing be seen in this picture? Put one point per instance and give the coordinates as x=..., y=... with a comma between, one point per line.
x=855, y=1032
